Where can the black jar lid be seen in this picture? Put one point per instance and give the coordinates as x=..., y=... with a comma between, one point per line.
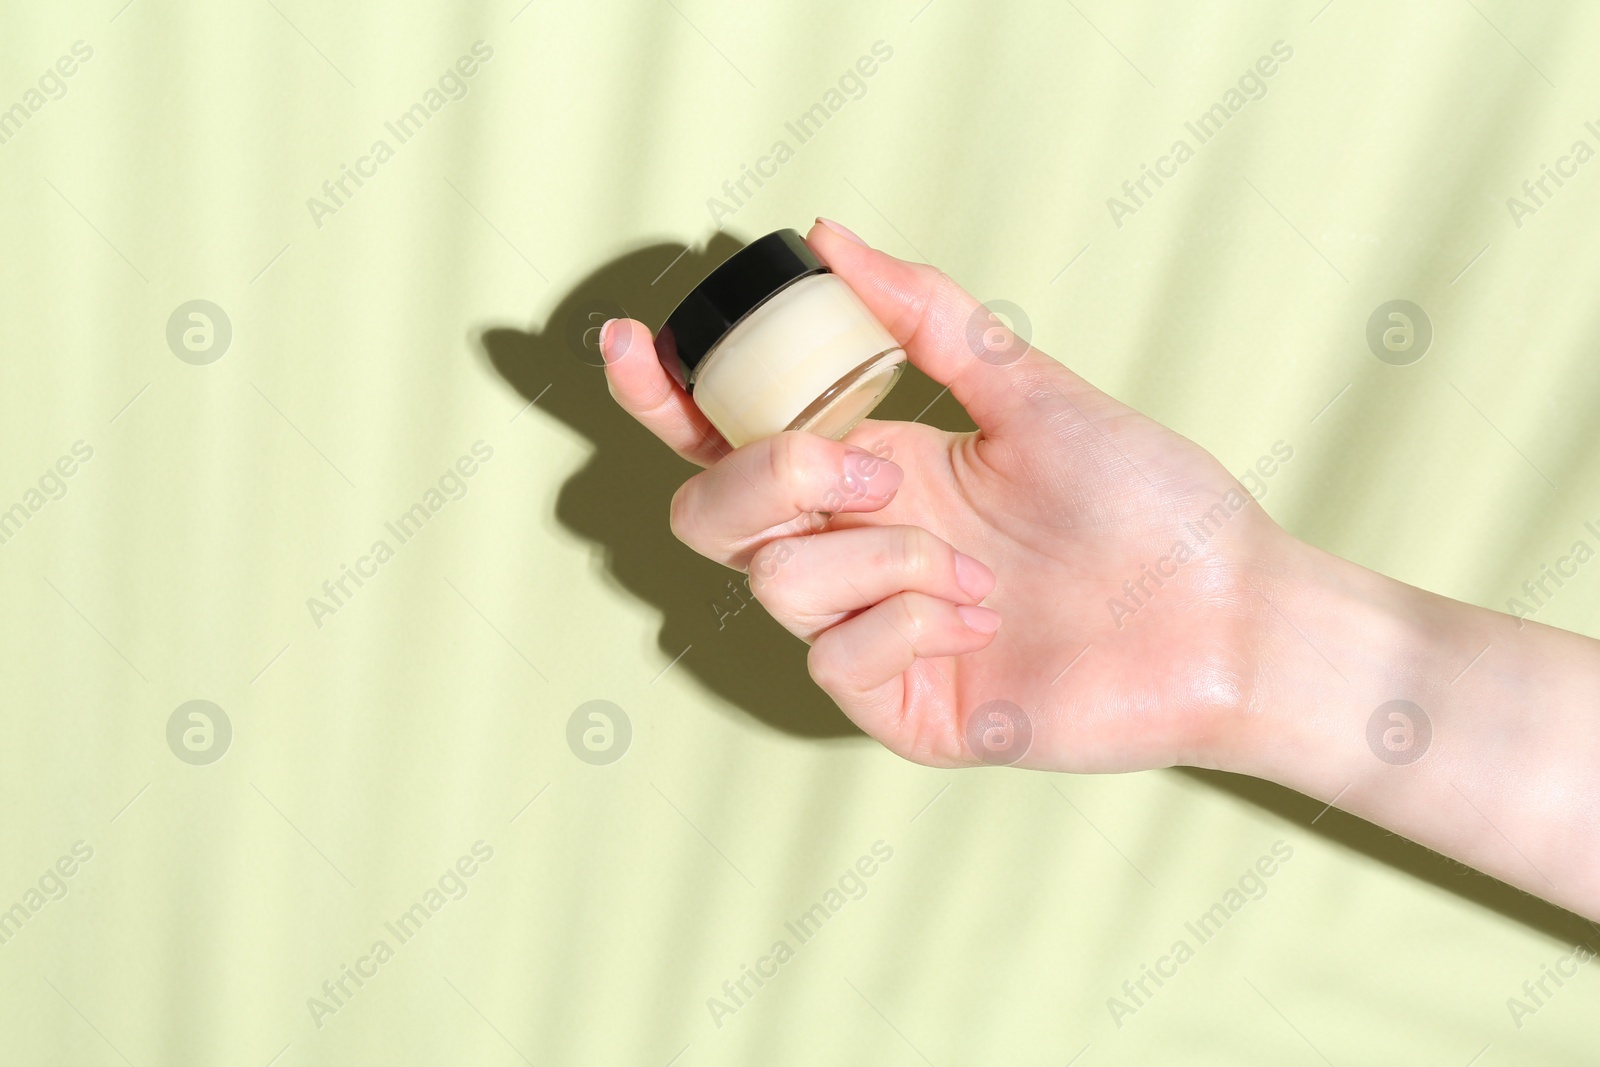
x=746, y=280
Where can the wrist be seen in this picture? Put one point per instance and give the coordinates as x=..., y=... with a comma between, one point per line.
x=1336, y=643
x=1457, y=727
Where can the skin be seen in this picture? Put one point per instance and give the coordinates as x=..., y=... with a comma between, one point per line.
x=934, y=572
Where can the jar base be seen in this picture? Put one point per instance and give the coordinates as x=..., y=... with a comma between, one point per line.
x=849, y=400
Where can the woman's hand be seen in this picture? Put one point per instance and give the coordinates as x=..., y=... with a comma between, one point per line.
x=1096, y=572
x=1074, y=587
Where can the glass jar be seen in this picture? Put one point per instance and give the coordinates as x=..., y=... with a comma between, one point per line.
x=772, y=340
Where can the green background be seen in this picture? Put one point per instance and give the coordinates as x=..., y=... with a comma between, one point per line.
x=431, y=710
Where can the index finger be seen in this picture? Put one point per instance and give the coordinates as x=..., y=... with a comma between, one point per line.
x=641, y=384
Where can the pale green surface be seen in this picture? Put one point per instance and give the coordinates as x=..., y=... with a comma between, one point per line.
x=378, y=748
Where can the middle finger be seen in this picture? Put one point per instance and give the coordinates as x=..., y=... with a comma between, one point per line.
x=777, y=486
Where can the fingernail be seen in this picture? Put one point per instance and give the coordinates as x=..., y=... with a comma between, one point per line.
x=868, y=475
x=605, y=331
x=979, y=620
x=976, y=580
x=842, y=231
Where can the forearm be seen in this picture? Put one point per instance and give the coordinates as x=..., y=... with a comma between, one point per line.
x=1498, y=768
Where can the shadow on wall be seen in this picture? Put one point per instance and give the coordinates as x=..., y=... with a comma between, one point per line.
x=619, y=498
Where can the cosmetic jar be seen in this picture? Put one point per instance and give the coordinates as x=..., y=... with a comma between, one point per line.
x=772, y=340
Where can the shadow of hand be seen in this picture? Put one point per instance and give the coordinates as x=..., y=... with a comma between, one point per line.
x=619, y=499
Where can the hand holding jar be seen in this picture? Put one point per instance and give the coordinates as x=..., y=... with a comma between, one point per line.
x=1075, y=587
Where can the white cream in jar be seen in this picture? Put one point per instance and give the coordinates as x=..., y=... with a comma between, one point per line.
x=772, y=340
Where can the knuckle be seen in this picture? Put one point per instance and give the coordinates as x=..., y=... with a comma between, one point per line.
x=930, y=283
x=793, y=457
x=825, y=667
x=681, y=513
x=769, y=577
x=940, y=292
x=916, y=616
x=913, y=550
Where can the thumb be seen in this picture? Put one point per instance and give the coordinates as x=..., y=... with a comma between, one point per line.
x=958, y=342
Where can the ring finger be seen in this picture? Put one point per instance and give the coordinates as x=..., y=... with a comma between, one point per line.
x=811, y=583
